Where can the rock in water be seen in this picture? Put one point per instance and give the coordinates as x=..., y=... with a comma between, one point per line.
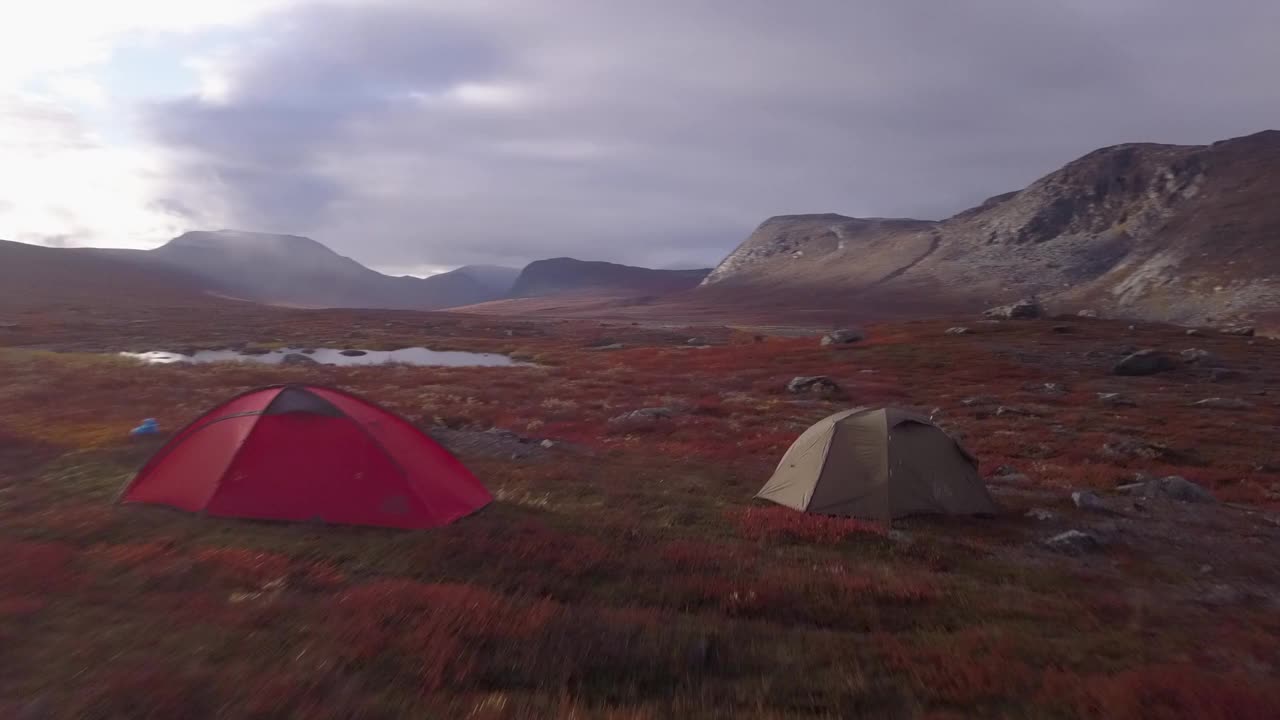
x=353, y=353
x=1074, y=542
x=1022, y=310
x=298, y=359
x=1146, y=362
x=820, y=385
x=844, y=337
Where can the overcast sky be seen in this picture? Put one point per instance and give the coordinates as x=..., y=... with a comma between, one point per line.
x=414, y=135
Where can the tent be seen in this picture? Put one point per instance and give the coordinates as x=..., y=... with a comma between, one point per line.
x=307, y=453
x=878, y=464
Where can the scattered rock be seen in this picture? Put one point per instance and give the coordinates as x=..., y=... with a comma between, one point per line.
x=1218, y=403
x=1240, y=331
x=819, y=385
x=1220, y=374
x=1173, y=488
x=1206, y=569
x=844, y=337
x=1146, y=362
x=1131, y=448
x=1074, y=542
x=978, y=400
x=1116, y=400
x=547, y=444
x=1088, y=500
x=1042, y=515
x=1092, y=314
x=697, y=341
x=959, y=331
x=1052, y=389
x=298, y=359
x=1222, y=595
x=1063, y=329
x=898, y=536
x=353, y=353
x=611, y=346
x=643, y=416
x=1196, y=356
x=1195, y=332
x=1008, y=410
x=1021, y=310
x=9, y=325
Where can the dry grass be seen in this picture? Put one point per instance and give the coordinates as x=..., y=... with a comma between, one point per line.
x=628, y=574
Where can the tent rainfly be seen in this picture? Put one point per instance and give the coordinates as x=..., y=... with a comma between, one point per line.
x=308, y=453
x=878, y=464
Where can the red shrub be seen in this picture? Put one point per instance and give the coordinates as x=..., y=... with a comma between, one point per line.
x=693, y=556
x=965, y=669
x=241, y=567
x=15, y=607
x=1160, y=692
x=36, y=568
x=779, y=523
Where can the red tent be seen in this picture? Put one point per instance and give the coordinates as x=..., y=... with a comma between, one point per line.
x=300, y=452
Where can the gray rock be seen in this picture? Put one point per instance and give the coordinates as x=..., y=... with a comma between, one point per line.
x=1146, y=362
x=844, y=337
x=1074, y=542
x=696, y=341
x=1092, y=314
x=1218, y=595
x=1196, y=356
x=819, y=385
x=1240, y=331
x=1053, y=389
x=1025, y=309
x=1195, y=332
x=611, y=346
x=978, y=400
x=1012, y=479
x=1177, y=488
x=643, y=415
x=1010, y=411
x=959, y=331
x=1042, y=515
x=898, y=536
x=298, y=359
x=1220, y=374
x=1116, y=400
x=1218, y=403
x=547, y=444
x=353, y=353
x=1088, y=500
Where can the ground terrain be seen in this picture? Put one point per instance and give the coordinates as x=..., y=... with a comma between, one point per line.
x=625, y=572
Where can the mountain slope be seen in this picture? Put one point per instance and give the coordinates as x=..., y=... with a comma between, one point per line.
x=39, y=277
x=1165, y=232
x=567, y=275
x=294, y=270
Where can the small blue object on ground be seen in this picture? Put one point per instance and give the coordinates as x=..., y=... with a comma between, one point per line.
x=148, y=427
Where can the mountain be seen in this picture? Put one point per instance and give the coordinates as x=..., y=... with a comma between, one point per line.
x=1180, y=233
x=298, y=271
x=39, y=277
x=567, y=275
x=495, y=278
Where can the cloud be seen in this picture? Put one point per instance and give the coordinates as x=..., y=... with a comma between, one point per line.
x=411, y=133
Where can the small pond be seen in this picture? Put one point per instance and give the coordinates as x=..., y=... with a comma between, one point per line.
x=332, y=356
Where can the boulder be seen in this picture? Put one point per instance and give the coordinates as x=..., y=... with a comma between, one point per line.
x=1219, y=403
x=1196, y=356
x=353, y=353
x=1220, y=374
x=298, y=359
x=1172, y=488
x=643, y=415
x=819, y=385
x=1145, y=362
x=844, y=337
x=1116, y=400
x=959, y=331
x=1240, y=331
x=1025, y=309
x=1074, y=542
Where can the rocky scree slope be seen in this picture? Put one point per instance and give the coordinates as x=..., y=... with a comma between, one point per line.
x=1162, y=232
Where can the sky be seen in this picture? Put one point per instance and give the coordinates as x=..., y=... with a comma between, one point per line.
x=419, y=135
